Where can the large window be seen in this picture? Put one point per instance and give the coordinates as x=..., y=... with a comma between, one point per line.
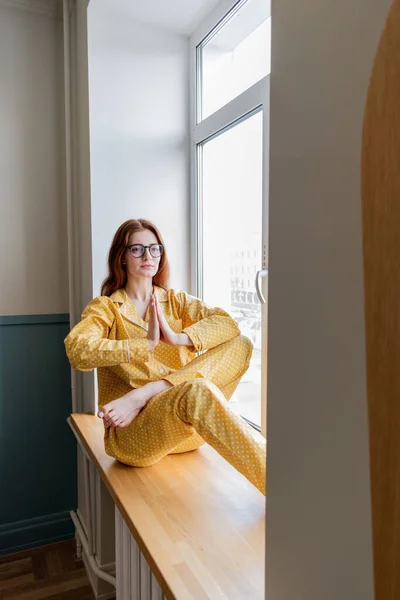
x=230, y=106
x=235, y=55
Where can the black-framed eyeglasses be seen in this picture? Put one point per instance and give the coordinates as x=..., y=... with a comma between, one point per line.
x=137, y=250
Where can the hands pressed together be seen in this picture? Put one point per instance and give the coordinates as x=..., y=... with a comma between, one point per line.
x=158, y=328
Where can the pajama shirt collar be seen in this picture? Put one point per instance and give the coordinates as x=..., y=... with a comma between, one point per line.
x=127, y=308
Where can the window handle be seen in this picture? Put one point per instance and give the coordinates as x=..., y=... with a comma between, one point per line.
x=260, y=273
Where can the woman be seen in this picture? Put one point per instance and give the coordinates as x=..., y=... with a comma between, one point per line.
x=156, y=397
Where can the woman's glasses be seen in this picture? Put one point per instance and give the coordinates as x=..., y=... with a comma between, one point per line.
x=137, y=250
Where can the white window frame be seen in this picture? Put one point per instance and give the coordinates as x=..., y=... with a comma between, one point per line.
x=255, y=97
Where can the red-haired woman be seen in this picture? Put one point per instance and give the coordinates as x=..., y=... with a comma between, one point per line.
x=156, y=396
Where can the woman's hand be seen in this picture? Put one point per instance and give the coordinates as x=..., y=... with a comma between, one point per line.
x=166, y=334
x=153, y=334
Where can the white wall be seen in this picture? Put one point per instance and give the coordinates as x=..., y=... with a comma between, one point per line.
x=318, y=502
x=139, y=119
x=33, y=254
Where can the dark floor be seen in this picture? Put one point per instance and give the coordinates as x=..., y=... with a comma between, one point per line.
x=51, y=572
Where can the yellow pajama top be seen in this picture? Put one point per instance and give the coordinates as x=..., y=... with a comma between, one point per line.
x=112, y=337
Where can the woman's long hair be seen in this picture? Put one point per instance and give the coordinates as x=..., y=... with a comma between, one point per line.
x=117, y=276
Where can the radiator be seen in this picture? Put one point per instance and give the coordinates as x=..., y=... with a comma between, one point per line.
x=135, y=581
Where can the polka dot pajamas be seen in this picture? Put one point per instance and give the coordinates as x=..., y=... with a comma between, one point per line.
x=195, y=409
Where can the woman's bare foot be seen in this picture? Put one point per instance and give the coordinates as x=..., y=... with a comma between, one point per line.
x=122, y=411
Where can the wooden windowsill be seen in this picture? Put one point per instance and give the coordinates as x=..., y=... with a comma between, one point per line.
x=198, y=522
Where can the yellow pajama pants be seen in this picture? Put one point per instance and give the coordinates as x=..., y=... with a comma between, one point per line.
x=194, y=411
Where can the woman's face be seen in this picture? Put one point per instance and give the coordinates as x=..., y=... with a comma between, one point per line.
x=136, y=265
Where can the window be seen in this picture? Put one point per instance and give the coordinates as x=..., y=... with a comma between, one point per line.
x=230, y=62
x=234, y=55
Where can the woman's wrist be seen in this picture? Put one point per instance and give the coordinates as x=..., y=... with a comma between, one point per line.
x=183, y=340
x=151, y=345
